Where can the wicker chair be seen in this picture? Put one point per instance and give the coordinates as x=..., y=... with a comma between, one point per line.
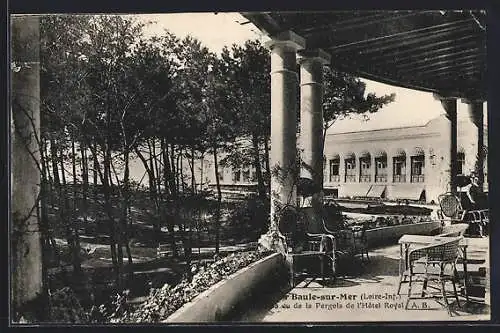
x=453, y=230
x=434, y=263
x=352, y=241
x=451, y=210
x=307, y=240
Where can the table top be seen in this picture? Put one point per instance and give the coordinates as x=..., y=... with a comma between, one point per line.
x=425, y=240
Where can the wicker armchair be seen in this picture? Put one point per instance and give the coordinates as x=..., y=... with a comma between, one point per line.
x=453, y=230
x=434, y=263
x=352, y=241
x=307, y=240
x=451, y=210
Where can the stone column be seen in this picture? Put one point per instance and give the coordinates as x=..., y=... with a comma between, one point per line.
x=373, y=168
x=341, y=169
x=389, y=168
x=26, y=246
x=311, y=122
x=476, y=115
x=408, y=166
x=284, y=83
x=450, y=107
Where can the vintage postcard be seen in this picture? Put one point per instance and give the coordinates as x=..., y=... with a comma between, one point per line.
x=286, y=167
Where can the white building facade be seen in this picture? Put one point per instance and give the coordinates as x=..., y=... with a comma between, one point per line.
x=408, y=163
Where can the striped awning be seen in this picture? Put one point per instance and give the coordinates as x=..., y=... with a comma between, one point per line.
x=376, y=191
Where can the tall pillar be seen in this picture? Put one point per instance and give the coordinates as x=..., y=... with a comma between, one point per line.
x=26, y=244
x=475, y=108
x=284, y=82
x=373, y=170
x=389, y=168
x=450, y=107
x=311, y=122
x=408, y=166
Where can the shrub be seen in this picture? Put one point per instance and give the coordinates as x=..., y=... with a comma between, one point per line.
x=66, y=308
x=164, y=301
x=252, y=214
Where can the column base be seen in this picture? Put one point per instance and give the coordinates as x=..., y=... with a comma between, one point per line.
x=272, y=241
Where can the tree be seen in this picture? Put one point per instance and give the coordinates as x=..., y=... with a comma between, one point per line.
x=249, y=67
x=28, y=294
x=344, y=95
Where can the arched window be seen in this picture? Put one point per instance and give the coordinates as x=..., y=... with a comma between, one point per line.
x=380, y=166
x=365, y=162
x=334, y=175
x=399, y=167
x=350, y=167
x=417, y=165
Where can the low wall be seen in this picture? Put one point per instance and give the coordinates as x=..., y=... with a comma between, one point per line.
x=222, y=298
x=390, y=234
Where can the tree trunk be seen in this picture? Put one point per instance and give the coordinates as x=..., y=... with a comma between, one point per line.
x=126, y=195
x=258, y=169
x=28, y=299
x=152, y=190
x=61, y=161
x=169, y=183
x=219, y=200
x=202, y=160
x=155, y=157
x=77, y=269
x=175, y=178
x=26, y=255
x=85, y=182
x=193, y=178
x=181, y=170
x=95, y=172
x=54, y=159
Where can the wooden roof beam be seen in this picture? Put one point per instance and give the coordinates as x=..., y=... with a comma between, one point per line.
x=427, y=46
x=444, y=58
x=450, y=33
x=359, y=22
x=263, y=22
x=427, y=31
x=457, y=67
x=469, y=70
x=418, y=53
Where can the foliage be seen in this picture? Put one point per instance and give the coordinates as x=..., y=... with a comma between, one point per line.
x=164, y=301
x=253, y=213
x=345, y=94
x=66, y=308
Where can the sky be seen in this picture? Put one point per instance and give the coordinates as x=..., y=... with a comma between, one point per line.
x=215, y=30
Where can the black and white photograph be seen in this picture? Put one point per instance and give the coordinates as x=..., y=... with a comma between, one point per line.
x=249, y=167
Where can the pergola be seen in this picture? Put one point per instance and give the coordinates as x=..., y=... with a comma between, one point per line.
x=442, y=52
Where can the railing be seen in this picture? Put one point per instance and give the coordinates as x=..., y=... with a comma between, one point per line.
x=399, y=178
x=365, y=178
x=417, y=178
x=334, y=178
x=381, y=179
x=350, y=178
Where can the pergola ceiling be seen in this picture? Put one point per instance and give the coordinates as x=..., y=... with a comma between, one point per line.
x=436, y=51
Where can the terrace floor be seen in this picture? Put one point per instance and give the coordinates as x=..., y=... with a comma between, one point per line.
x=310, y=300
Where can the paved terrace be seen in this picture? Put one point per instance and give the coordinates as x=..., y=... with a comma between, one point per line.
x=378, y=278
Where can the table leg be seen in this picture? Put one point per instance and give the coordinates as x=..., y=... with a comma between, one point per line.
x=407, y=247
x=466, y=275
x=400, y=259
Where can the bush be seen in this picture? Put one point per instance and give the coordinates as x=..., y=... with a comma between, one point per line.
x=164, y=301
x=251, y=214
x=66, y=308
